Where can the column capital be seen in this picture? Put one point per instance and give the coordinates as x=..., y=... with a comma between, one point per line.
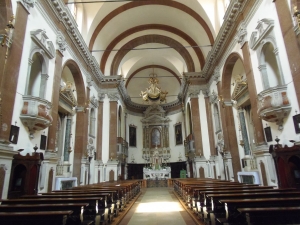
x=241, y=36
x=61, y=42
x=194, y=91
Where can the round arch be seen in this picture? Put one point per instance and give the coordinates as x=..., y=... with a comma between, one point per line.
x=134, y=4
x=152, y=66
x=152, y=39
x=136, y=29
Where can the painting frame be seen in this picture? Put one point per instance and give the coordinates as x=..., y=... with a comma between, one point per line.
x=14, y=134
x=132, y=136
x=178, y=134
x=296, y=120
x=268, y=134
x=43, y=142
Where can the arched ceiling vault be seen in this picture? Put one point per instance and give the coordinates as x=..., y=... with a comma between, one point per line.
x=130, y=38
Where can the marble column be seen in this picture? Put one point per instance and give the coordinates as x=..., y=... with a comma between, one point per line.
x=291, y=41
x=196, y=125
x=259, y=132
x=11, y=71
x=210, y=127
x=244, y=132
x=113, y=128
x=99, y=131
x=55, y=99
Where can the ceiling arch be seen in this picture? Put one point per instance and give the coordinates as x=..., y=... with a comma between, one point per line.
x=173, y=30
x=152, y=39
x=152, y=66
x=132, y=5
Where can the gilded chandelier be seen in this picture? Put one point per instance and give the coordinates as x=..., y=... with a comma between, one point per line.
x=154, y=93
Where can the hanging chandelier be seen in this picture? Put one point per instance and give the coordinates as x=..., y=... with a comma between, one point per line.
x=154, y=93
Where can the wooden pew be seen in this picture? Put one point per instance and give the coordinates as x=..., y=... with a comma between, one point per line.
x=90, y=213
x=75, y=218
x=231, y=205
x=271, y=215
x=35, y=218
x=217, y=208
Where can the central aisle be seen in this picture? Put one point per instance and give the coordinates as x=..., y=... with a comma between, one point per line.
x=157, y=206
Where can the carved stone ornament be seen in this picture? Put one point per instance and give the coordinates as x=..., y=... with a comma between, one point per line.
x=94, y=102
x=40, y=37
x=242, y=34
x=114, y=96
x=194, y=91
x=213, y=98
x=263, y=29
x=206, y=92
x=101, y=96
x=216, y=75
x=61, y=42
x=29, y=3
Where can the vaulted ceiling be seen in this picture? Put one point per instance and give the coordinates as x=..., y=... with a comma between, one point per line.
x=137, y=38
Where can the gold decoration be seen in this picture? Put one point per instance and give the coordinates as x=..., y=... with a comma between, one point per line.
x=154, y=92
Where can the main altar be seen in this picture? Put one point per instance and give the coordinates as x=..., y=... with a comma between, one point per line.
x=156, y=149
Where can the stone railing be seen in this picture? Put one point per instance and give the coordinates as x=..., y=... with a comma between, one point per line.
x=35, y=113
x=274, y=105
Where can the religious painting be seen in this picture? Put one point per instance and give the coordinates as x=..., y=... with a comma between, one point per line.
x=268, y=134
x=43, y=142
x=296, y=119
x=132, y=136
x=178, y=134
x=14, y=134
x=155, y=138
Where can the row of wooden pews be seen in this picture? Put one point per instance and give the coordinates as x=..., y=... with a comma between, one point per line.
x=216, y=202
x=83, y=205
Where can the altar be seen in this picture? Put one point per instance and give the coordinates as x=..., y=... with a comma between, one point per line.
x=154, y=174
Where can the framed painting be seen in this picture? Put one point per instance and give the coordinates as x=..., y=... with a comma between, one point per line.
x=14, y=134
x=268, y=134
x=132, y=136
x=178, y=134
x=296, y=120
x=43, y=142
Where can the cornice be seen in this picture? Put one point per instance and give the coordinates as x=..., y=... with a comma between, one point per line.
x=64, y=15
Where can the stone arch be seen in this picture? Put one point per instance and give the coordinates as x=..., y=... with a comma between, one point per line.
x=151, y=39
x=127, y=33
x=80, y=138
x=152, y=66
x=228, y=124
x=37, y=74
x=269, y=64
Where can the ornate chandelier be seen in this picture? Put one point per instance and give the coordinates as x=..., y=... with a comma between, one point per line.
x=154, y=93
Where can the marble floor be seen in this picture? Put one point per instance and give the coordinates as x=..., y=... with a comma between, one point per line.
x=157, y=206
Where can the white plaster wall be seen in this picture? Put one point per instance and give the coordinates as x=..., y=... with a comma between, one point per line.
x=204, y=126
